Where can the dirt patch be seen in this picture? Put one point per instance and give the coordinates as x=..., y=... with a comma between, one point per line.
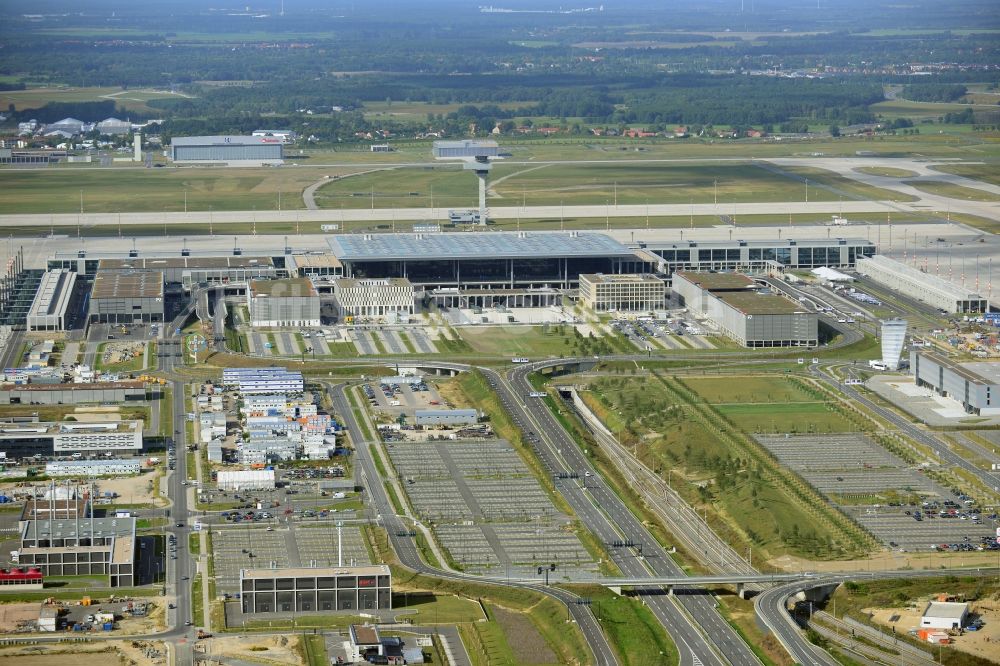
x=261, y=649
x=982, y=643
x=112, y=653
x=886, y=560
x=527, y=644
x=13, y=615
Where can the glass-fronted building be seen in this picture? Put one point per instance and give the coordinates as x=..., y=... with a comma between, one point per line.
x=740, y=255
x=306, y=590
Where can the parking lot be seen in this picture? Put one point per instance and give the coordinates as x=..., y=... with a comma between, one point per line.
x=485, y=507
x=403, y=397
x=851, y=464
x=286, y=546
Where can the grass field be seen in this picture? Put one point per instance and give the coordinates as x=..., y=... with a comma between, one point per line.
x=988, y=173
x=764, y=389
x=529, y=341
x=155, y=190
x=638, y=637
x=577, y=184
x=953, y=191
x=888, y=172
x=796, y=417
x=34, y=98
x=839, y=183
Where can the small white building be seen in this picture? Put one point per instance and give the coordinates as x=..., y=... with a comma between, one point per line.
x=246, y=479
x=944, y=615
x=276, y=303
x=83, y=468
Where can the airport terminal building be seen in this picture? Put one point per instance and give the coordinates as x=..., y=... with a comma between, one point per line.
x=486, y=260
x=759, y=256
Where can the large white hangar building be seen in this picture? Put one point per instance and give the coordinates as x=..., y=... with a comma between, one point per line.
x=235, y=150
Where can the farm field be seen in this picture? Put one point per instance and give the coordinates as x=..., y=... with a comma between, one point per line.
x=954, y=191
x=34, y=98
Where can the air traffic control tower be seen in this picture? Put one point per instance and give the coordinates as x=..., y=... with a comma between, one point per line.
x=475, y=155
x=893, y=337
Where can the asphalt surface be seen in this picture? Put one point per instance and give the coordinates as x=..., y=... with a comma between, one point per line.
x=408, y=554
x=690, y=616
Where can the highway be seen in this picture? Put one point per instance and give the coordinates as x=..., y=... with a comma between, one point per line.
x=406, y=549
x=691, y=619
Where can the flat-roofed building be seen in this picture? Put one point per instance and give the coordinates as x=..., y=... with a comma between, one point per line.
x=380, y=297
x=276, y=303
x=127, y=297
x=465, y=149
x=930, y=289
x=487, y=260
x=72, y=394
x=81, y=546
x=240, y=150
x=945, y=615
x=743, y=255
x=428, y=417
x=247, y=381
x=99, y=467
x=976, y=386
x=753, y=319
x=315, y=265
x=49, y=310
x=606, y=293
x=310, y=590
x=246, y=479
x=19, y=439
x=192, y=270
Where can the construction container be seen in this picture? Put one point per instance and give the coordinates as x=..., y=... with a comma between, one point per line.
x=109, y=626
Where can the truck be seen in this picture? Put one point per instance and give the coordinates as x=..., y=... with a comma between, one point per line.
x=538, y=394
x=519, y=359
x=877, y=365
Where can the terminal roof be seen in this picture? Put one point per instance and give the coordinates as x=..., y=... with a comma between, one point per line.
x=481, y=245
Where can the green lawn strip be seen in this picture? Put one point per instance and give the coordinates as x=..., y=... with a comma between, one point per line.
x=840, y=183
x=379, y=466
x=313, y=650
x=194, y=543
x=379, y=345
x=407, y=342
x=73, y=593
x=426, y=552
x=953, y=191
x=636, y=635
x=887, y=172
x=197, y=602
x=359, y=416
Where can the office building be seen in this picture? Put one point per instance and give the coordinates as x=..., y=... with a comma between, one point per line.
x=631, y=292
x=974, y=385
x=893, y=337
x=235, y=150
x=249, y=381
x=308, y=590
x=930, y=289
x=374, y=298
x=127, y=298
x=62, y=438
x=292, y=302
x=51, y=306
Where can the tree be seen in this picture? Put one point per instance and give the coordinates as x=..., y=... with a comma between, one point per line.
x=835, y=130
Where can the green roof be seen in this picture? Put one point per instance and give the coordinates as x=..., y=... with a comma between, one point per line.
x=717, y=281
x=753, y=303
x=297, y=287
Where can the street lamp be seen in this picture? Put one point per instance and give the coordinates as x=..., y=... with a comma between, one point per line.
x=546, y=570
